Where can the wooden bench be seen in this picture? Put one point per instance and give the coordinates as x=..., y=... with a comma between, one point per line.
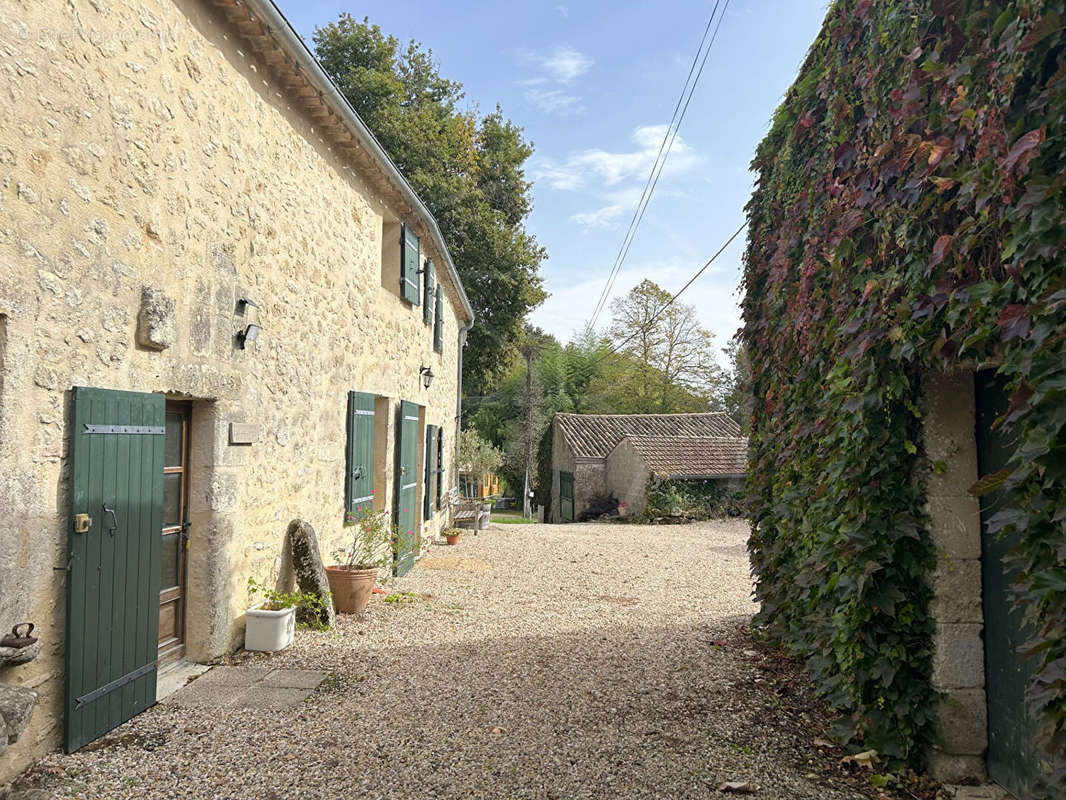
x=466, y=508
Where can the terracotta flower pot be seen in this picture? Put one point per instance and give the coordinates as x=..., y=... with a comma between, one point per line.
x=453, y=538
x=351, y=588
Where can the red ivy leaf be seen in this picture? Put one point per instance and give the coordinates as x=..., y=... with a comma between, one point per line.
x=940, y=250
x=1014, y=321
x=1023, y=149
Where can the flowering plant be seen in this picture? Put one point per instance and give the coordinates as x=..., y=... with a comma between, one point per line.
x=372, y=543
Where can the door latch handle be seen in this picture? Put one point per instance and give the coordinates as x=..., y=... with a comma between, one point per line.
x=114, y=519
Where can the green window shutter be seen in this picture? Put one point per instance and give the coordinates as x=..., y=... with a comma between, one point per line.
x=428, y=491
x=359, y=457
x=429, y=283
x=409, y=261
x=440, y=467
x=438, y=326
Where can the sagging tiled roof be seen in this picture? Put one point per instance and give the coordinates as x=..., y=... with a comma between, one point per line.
x=692, y=456
x=595, y=435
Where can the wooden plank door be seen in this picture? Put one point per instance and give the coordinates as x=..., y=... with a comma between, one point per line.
x=407, y=489
x=116, y=495
x=1012, y=753
x=174, y=533
x=566, y=496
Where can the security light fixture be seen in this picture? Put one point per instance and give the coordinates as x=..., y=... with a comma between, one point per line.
x=251, y=330
x=427, y=375
x=249, y=334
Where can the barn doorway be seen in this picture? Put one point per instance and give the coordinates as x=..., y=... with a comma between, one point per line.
x=1012, y=753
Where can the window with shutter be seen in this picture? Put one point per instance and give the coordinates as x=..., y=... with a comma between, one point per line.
x=409, y=261
x=440, y=468
x=428, y=490
x=438, y=326
x=359, y=457
x=429, y=283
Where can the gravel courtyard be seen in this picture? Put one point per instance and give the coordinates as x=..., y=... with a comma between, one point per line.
x=531, y=661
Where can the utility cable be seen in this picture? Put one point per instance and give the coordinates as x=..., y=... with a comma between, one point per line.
x=664, y=151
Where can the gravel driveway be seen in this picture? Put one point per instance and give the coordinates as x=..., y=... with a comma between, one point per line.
x=531, y=661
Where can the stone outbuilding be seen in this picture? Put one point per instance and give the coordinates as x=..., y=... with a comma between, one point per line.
x=582, y=446
x=638, y=461
x=222, y=308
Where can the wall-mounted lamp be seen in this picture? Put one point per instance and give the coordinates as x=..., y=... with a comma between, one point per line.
x=427, y=375
x=251, y=331
x=249, y=334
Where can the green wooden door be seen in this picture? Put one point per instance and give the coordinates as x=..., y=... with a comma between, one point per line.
x=407, y=489
x=359, y=457
x=566, y=496
x=1012, y=752
x=113, y=584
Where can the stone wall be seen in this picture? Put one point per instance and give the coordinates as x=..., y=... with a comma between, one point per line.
x=955, y=525
x=143, y=145
x=627, y=477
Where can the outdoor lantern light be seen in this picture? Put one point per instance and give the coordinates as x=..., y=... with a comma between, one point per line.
x=427, y=375
x=249, y=334
x=251, y=331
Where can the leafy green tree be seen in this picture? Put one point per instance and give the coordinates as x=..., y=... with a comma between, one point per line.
x=467, y=168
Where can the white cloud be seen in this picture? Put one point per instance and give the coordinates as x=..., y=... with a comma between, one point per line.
x=617, y=203
x=559, y=68
x=565, y=64
x=564, y=11
x=585, y=166
x=600, y=218
x=553, y=101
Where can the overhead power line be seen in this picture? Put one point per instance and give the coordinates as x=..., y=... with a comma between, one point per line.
x=680, y=108
x=643, y=328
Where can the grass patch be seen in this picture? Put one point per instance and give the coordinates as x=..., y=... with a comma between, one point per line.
x=510, y=518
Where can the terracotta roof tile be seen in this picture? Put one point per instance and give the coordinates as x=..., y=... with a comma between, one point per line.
x=692, y=456
x=595, y=435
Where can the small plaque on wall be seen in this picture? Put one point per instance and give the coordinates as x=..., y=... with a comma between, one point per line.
x=243, y=433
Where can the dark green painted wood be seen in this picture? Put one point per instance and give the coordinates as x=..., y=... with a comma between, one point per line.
x=409, y=261
x=1013, y=760
x=429, y=283
x=566, y=496
x=440, y=468
x=438, y=321
x=429, y=489
x=407, y=489
x=113, y=584
x=359, y=456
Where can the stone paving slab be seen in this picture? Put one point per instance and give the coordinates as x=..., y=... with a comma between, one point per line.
x=233, y=676
x=295, y=678
x=249, y=687
x=273, y=697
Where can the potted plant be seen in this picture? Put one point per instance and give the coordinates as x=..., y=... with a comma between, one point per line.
x=352, y=580
x=452, y=535
x=271, y=624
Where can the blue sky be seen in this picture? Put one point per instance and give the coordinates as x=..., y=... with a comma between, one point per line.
x=594, y=84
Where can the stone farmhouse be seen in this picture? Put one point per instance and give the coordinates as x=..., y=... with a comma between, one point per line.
x=221, y=308
x=596, y=454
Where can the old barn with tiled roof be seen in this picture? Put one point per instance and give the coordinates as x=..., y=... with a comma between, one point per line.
x=599, y=454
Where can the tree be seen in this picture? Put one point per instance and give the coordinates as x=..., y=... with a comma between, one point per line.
x=735, y=392
x=672, y=358
x=468, y=169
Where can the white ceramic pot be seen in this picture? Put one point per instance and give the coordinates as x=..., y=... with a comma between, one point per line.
x=269, y=630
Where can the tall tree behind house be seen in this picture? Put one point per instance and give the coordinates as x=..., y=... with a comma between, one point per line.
x=466, y=167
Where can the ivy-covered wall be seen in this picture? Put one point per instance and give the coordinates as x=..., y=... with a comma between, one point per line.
x=908, y=216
